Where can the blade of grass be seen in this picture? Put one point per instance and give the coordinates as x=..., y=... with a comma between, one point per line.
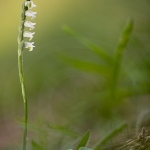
x=89, y=44
x=118, y=56
x=83, y=65
x=109, y=136
x=36, y=146
x=84, y=140
x=63, y=130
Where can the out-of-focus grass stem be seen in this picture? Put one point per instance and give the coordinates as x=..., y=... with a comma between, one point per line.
x=118, y=57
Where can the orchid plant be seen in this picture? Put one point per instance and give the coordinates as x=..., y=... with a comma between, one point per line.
x=26, y=12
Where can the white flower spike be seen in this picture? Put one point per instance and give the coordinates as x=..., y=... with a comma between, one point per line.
x=28, y=34
x=29, y=25
x=30, y=4
x=29, y=45
x=30, y=14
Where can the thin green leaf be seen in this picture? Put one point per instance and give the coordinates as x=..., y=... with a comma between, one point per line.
x=89, y=44
x=63, y=130
x=118, y=55
x=84, y=140
x=124, y=40
x=109, y=136
x=36, y=146
x=83, y=65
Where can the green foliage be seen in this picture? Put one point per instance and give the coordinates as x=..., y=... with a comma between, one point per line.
x=84, y=65
x=63, y=130
x=109, y=136
x=36, y=146
x=101, y=53
x=84, y=140
x=111, y=71
x=118, y=56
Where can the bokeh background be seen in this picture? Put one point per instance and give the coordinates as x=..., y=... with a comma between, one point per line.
x=61, y=95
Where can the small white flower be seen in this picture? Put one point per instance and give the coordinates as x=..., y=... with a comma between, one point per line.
x=30, y=14
x=29, y=24
x=30, y=4
x=29, y=45
x=28, y=34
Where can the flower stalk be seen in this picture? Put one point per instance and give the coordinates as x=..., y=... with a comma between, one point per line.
x=26, y=7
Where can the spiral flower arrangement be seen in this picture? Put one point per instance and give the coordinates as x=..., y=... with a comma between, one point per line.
x=26, y=12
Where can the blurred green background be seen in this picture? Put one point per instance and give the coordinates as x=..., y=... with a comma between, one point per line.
x=59, y=93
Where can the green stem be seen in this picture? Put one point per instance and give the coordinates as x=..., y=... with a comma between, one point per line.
x=21, y=76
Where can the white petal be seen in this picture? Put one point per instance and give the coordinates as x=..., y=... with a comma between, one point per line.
x=30, y=14
x=29, y=24
x=30, y=4
x=28, y=34
x=29, y=45
x=33, y=5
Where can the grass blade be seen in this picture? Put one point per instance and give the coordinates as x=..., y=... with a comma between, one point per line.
x=84, y=140
x=83, y=65
x=35, y=146
x=90, y=45
x=118, y=55
x=124, y=40
x=109, y=136
x=64, y=130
